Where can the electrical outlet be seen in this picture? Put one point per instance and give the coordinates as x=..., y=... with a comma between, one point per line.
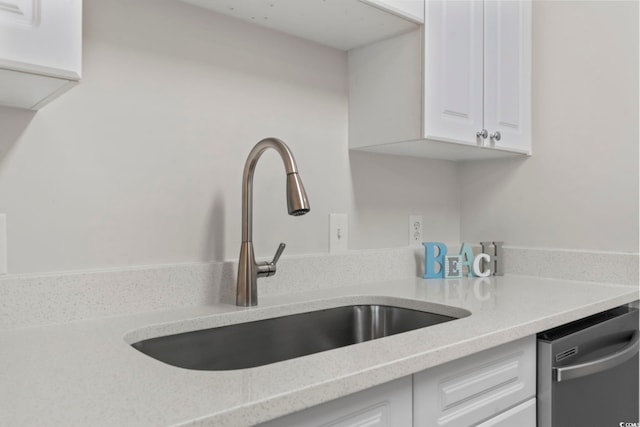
x=338, y=233
x=415, y=230
x=3, y=244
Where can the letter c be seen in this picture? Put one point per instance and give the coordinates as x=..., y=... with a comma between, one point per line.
x=476, y=266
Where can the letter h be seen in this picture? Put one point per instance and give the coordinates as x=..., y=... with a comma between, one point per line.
x=495, y=258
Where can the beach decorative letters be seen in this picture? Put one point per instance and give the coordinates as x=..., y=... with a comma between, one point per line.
x=437, y=264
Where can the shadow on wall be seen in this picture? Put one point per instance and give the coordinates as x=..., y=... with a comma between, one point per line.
x=484, y=178
x=13, y=122
x=223, y=275
x=387, y=189
x=215, y=236
x=222, y=288
x=493, y=189
x=382, y=181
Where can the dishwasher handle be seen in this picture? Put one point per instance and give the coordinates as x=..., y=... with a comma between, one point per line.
x=602, y=364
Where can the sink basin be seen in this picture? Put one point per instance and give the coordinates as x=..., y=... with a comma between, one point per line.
x=257, y=343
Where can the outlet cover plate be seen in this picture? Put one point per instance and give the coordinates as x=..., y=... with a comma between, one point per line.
x=415, y=230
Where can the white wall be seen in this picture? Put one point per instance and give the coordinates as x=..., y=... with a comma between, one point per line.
x=141, y=163
x=580, y=188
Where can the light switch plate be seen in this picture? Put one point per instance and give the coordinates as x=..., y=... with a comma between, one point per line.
x=338, y=233
x=3, y=244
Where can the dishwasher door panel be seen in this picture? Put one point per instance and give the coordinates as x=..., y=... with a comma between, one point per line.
x=603, y=399
x=588, y=371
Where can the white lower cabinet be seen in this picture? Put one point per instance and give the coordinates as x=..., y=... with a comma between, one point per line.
x=492, y=388
x=523, y=415
x=476, y=388
x=387, y=405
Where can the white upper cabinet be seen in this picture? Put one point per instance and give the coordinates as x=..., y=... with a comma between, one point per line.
x=453, y=59
x=507, y=73
x=412, y=10
x=40, y=52
x=457, y=89
x=342, y=24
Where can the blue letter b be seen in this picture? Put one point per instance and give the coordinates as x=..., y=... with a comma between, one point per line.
x=430, y=259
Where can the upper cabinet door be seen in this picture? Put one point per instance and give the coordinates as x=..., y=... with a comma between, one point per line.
x=40, y=50
x=453, y=70
x=507, y=61
x=42, y=36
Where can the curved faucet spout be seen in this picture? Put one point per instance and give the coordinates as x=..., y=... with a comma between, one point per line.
x=297, y=203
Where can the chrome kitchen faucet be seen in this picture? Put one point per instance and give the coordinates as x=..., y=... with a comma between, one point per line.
x=248, y=269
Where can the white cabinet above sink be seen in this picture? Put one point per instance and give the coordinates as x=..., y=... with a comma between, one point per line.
x=342, y=24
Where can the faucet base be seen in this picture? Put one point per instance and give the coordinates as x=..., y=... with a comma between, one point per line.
x=247, y=289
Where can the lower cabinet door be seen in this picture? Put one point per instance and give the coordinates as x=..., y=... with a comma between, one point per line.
x=523, y=415
x=475, y=388
x=387, y=405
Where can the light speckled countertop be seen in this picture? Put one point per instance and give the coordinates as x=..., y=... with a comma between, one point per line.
x=86, y=373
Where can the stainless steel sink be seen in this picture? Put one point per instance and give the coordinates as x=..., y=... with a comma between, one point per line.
x=251, y=344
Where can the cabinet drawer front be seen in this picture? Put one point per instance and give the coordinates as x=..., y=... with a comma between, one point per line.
x=475, y=388
x=480, y=382
x=523, y=415
x=387, y=405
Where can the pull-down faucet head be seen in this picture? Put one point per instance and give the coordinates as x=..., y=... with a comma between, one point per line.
x=297, y=204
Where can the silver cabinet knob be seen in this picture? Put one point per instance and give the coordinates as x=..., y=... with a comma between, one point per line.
x=495, y=136
x=482, y=134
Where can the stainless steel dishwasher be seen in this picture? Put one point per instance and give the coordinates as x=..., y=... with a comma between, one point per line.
x=588, y=371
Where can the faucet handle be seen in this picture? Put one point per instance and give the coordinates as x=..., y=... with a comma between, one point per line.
x=279, y=251
x=267, y=269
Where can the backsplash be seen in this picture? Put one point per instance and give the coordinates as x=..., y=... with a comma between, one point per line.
x=31, y=300
x=27, y=300
x=603, y=267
